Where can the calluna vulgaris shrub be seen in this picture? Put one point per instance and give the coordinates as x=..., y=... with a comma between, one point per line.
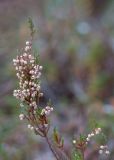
x=29, y=93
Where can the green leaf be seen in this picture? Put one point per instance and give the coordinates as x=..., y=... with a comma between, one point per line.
x=55, y=135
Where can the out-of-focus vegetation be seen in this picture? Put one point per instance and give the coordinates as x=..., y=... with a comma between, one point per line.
x=75, y=40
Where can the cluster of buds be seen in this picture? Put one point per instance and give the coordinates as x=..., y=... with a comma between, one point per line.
x=92, y=134
x=81, y=143
x=21, y=116
x=104, y=149
x=30, y=126
x=28, y=73
x=47, y=110
x=29, y=92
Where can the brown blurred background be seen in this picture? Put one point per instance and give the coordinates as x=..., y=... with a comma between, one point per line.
x=75, y=40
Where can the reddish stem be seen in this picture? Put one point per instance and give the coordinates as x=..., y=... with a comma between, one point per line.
x=51, y=148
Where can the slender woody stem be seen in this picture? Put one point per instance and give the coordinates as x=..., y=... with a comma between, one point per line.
x=51, y=148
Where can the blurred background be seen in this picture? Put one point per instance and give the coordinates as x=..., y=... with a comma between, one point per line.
x=75, y=40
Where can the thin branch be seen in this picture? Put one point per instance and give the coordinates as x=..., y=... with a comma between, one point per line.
x=51, y=148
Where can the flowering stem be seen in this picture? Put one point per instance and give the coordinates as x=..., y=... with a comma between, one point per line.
x=51, y=148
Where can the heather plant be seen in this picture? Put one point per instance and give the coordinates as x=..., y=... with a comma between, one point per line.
x=29, y=93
